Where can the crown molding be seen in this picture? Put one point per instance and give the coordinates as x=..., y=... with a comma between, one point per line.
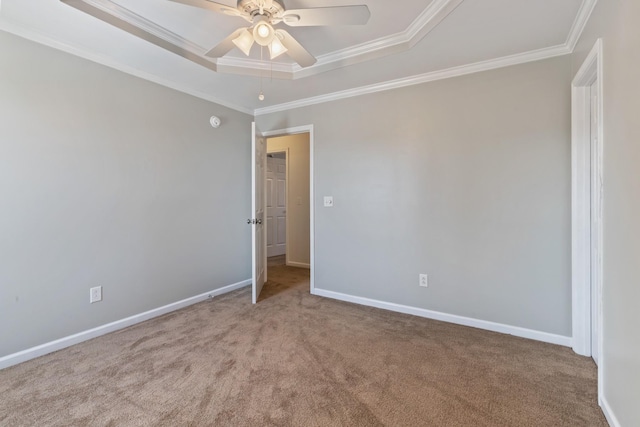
x=126, y=20
x=135, y=24
x=132, y=23
x=426, y=22
x=439, y=8
x=31, y=34
x=580, y=23
x=253, y=67
x=507, y=61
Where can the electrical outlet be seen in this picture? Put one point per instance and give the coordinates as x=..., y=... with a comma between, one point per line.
x=424, y=282
x=95, y=294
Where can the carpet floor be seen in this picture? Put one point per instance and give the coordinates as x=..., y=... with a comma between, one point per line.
x=299, y=360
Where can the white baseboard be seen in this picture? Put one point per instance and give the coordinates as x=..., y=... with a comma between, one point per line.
x=298, y=264
x=50, y=347
x=608, y=413
x=451, y=318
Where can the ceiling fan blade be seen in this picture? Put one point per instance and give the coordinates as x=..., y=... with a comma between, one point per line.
x=295, y=49
x=319, y=16
x=210, y=5
x=222, y=48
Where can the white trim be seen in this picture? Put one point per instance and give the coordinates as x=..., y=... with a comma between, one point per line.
x=435, y=12
x=608, y=413
x=292, y=131
x=129, y=17
x=253, y=68
x=298, y=264
x=312, y=211
x=450, y=318
x=477, y=67
x=126, y=20
x=287, y=222
x=580, y=23
x=581, y=195
x=426, y=22
x=288, y=131
x=37, y=37
x=50, y=347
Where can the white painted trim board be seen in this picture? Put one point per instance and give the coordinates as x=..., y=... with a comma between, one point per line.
x=59, y=344
x=520, y=58
x=582, y=161
x=450, y=318
x=608, y=413
x=298, y=264
x=37, y=37
x=492, y=64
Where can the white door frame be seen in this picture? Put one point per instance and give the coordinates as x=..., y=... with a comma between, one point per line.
x=584, y=163
x=292, y=131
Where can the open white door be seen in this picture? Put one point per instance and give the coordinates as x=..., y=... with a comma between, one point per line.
x=258, y=167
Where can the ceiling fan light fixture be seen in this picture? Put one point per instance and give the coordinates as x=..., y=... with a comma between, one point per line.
x=263, y=32
x=276, y=48
x=244, y=41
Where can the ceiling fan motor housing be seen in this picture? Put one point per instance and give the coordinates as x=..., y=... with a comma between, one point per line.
x=269, y=8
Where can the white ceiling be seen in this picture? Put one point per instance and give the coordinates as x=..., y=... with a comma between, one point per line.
x=404, y=43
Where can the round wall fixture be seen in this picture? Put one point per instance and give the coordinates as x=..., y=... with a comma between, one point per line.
x=215, y=122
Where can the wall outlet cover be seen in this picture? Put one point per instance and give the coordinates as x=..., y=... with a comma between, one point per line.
x=95, y=294
x=424, y=281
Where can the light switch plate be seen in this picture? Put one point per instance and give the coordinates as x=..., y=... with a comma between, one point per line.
x=328, y=201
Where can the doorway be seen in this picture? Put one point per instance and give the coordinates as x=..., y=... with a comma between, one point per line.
x=587, y=203
x=295, y=147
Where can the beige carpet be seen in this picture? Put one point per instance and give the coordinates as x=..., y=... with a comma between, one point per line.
x=299, y=360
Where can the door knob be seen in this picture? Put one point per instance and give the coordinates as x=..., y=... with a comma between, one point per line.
x=259, y=221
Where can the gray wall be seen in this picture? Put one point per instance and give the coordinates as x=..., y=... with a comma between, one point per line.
x=616, y=22
x=106, y=179
x=466, y=179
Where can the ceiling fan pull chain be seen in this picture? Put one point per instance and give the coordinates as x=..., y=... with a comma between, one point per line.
x=261, y=95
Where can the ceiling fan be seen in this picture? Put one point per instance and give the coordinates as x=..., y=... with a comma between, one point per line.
x=264, y=15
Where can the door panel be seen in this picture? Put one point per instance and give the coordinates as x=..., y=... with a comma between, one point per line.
x=258, y=235
x=270, y=204
x=276, y=206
